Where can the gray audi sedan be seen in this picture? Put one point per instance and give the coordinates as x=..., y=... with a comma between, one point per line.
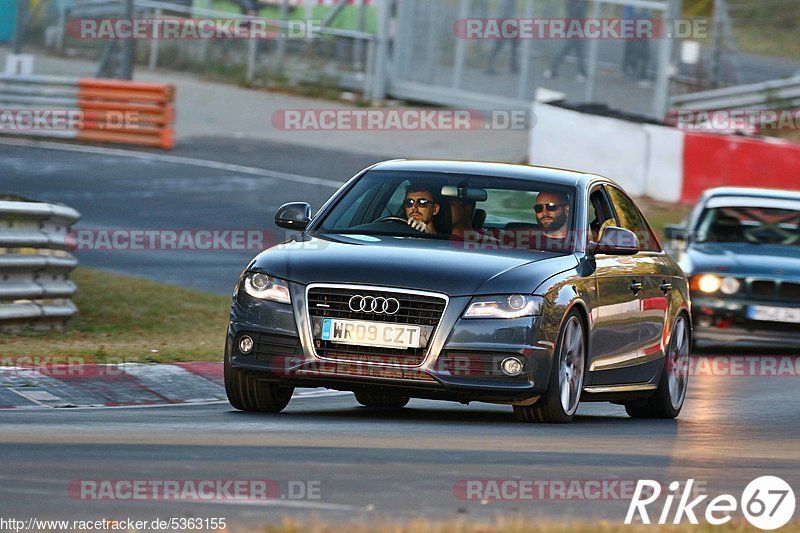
x=533, y=287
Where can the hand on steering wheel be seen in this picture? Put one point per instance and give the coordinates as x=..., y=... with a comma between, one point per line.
x=416, y=224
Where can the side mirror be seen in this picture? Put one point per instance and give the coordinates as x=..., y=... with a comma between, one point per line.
x=674, y=232
x=615, y=241
x=294, y=216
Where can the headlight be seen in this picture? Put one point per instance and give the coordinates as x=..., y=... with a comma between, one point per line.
x=708, y=283
x=711, y=283
x=266, y=287
x=730, y=286
x=513, y=306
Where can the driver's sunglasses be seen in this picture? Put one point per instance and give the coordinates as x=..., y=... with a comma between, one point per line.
x=551, y=207
x=422, y=202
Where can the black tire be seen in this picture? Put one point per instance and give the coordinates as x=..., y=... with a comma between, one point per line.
x=247, y=392
x=549, y=408
x=381, y=400
x=664, y=403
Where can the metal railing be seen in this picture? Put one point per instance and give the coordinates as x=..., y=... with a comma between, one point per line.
x=35, y=289
x=775, y=93
x=303, y=59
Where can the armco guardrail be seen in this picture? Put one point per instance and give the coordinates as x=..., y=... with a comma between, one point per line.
x=94, y=110
x=35, y=289
x=774, y=93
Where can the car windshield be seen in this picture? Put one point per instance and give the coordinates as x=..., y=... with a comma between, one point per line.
x=753, y=225
x=487, y=212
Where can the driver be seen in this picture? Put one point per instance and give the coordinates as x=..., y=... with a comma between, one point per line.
x=420, y=208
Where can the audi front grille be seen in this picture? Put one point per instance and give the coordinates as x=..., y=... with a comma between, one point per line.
x=373, y=305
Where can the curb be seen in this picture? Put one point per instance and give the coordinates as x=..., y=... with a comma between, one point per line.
x=93, y=385
x=120, y=385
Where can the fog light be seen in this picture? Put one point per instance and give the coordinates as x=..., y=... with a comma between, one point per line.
x=511, y=366
x=245, y=344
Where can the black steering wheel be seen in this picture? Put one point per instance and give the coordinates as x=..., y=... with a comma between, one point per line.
x=391, y=219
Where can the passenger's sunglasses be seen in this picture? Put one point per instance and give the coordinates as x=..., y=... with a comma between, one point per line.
x=422, y=202
x=551, y=207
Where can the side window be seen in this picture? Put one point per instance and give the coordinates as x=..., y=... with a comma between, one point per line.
x=599, y=213
x=394, y=206
x=631, y=218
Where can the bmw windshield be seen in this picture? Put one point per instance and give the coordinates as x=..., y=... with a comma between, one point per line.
x=774, y=225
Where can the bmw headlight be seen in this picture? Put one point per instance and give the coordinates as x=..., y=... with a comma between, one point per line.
x=711, y=283
x=506, y=306
x=730, y=286
x=708, y=283
x=266, y=287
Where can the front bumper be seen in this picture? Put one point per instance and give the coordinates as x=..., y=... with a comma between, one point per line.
x=726, y=322
x=462, y=363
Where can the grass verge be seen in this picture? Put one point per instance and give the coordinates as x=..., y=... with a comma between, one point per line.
x=133, y=319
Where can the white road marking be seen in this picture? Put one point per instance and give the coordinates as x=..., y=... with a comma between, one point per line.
x=186, y=403
x=178, y=160
x=34, y=400
x=320, y=393
x=296, y=504
x=38, y=395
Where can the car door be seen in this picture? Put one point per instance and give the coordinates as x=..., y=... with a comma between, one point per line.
x=615, y=335
x=652, y=272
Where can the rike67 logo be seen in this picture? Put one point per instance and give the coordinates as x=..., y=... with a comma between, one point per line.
x=767, y=502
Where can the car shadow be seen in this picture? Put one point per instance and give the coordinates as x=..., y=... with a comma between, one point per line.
x=456, y=417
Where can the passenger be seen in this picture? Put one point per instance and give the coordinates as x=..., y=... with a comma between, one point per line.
x=420, y=207
x=552, y=213
x=462, y=213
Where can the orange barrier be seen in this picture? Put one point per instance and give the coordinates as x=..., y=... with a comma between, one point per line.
x=126, y=112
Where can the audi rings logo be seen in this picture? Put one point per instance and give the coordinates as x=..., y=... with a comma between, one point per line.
x=371, y=304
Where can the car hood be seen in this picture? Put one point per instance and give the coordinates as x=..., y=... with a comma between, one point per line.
x=423, y=264
x=741, y=259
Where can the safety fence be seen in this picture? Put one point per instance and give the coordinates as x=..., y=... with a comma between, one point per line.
x=88, y=109
x=295, y=51
x=35, y=289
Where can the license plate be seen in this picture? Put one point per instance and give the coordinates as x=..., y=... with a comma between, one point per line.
x=774, y=314
x=379, y=334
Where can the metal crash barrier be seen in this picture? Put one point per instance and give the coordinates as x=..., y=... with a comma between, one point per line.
x=783, y=94
x=88, y=109
x=35, y=289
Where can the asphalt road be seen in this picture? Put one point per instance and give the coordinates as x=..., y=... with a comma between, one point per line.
x=365, y=464
x=239, y=188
